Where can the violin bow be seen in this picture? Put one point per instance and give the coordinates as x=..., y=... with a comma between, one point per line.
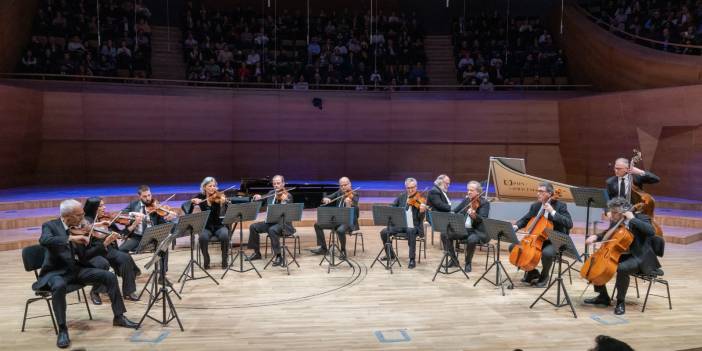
x=340, y=196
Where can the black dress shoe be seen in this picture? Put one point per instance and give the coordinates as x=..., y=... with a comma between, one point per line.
x=452, y=263
x=122, y=321
x=540, y=283
x=620, y=309
x=225, y=262
x=95, y=297
x=342, y=255
x=412, y=263
x=63, y=341
x=385, y=258
x=530, y=276
x=131, y=297
x=468, y=268
x=278, y=261
x=598, y=300
x=254, y=256
x=319, y=251
x=207, y=265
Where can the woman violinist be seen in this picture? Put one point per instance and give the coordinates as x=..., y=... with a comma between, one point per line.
x=121, y=262
x=475, y=208
x=640, y=256
x=554, y=211
x=209, y=199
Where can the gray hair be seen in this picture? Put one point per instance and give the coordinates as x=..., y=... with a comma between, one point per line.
x=440, y=179
x=622, y=160
x=67, y=206
x=410, y=180
x=282, y=179
x=618, y=204
x=206, y=181
x=548, y=186
x=477, y=185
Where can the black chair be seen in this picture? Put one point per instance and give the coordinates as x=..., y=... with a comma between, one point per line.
x=297, y=246
x=356, y=234
x=33, y=258
x=420, y=239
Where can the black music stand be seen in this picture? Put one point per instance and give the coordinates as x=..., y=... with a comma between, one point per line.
x=500, y=231
x=564, y=246
x=331, y=218
x=282, y=214
x=236, y=215
x=590, y=198
x=388, y=216
x=159, y=259
x=449, y=224
x=151, y=238
x=192, y=224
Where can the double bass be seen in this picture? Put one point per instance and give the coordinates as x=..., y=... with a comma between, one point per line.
x=601, y=266
x=527, y=254
x=643, y=200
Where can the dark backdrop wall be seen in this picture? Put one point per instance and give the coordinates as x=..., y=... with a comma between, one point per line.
x=15, y=27
x=20, y=135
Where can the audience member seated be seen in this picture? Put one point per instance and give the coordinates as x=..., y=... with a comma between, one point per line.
x=65, y=39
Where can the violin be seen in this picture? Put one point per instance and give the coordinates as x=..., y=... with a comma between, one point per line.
x=161, y=210
x=527, y=254
x=637, y=196
x=346, y=195
x=474, y=203
x=416, y=201
x=119, y=218
x=279, y=195
x=219, y=196
x=601, y=266
x=88, y=229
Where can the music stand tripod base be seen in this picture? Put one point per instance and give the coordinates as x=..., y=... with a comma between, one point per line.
x=282, y=214
x=238, y=214
x=449, y=224
x=499, y=231
x=331, y=218
x=389, y=217
x=153, y=236
x=192, y=224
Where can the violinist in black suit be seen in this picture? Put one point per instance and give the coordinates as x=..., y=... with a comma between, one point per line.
x=555, y=211
x=122, y=263
x=68, y=261
x=142, y=219
x=641, y=257
x=619, y=185
x=339, y=198
x=418, y=211
x=276, y=196
x=437, y=198
x=474, y=221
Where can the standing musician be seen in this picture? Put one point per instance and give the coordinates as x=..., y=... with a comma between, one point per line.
x=640, y=258
x=279, y=195
x=210, y=199
x=476, y=208
x=67, y=261
x=555, y=211
x=142, y=218
x=344, y=197
x=121, y=262
x=414, y=204
x=619, y=184
x=438, y=199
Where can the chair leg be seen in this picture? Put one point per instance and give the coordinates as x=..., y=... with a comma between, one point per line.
x=265, y=253
x=51, y=314
x=667, y=288
x=636, y=283
x=79, y=300
x=26, y=307
x=355, y=242
x=487, y=257
x=648, y=291
x=424, y=239
x=363, y=248
x=87, y=306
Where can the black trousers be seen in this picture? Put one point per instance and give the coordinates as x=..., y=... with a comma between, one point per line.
x=409, y=233
x=341, y=231
x=446, y=242
x=222, y=235
x=627, y=265
x=123, y=264
x=475, y=237
x=133, y=242
x=548, y=253
x=275, y=231
x=88, y=276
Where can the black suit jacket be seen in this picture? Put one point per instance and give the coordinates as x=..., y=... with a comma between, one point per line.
x=561, y=220
x=641, y=248
x=135, y=206
x=417, y=216
x=639, y=181
x=482, y=212
x=437, y=201
x=62, y=257
x=340, y=202
x=289, y=228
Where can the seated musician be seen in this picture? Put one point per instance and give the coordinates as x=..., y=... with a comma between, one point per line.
x=276, y=196
x=206, y=200
x=143, y=219
x=437, y=198
x=121, y=262
x=640, y=257
x=556, y=212
x=618, y=185
x=67, y=262
x=474, y=221
x=417, y=229
x=339, y=198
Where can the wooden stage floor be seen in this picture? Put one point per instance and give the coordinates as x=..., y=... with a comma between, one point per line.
x=359, y=308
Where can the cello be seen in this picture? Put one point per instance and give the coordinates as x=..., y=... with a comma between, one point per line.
x=527, y=254
x=636, y=196
x=601, y=266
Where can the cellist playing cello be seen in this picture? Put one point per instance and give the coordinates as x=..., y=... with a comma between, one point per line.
x=640, y=257
x=554, y=211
